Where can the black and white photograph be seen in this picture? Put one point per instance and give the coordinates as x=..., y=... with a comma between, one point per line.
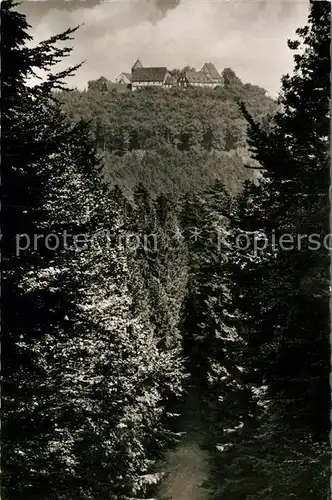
x=166, y=244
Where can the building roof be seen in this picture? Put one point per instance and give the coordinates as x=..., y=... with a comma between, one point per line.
x=137, y=65
x=123, y=75
x=128, y=75
x=211, y=69
x=197, y=77
x=149, y=74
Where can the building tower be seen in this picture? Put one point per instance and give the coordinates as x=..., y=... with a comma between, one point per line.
x=137, y=64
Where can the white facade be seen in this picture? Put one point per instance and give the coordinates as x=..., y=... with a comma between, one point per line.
x=136, y=85
x=190, y=79
x=201, y=84
x=147, y=84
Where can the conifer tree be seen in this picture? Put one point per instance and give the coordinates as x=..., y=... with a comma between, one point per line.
x=160, y=289
x=204, y=222
x=281, y=293
x=84, y=379
x=32, y=134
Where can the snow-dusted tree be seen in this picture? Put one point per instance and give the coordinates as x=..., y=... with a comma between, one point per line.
x=281, y=291
x=161, y=279
x=85, y=378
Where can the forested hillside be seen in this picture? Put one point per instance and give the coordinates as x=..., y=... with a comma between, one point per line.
x=146, y=335
x=173, y=140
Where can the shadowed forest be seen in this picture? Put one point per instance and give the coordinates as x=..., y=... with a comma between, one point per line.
x=165, y=282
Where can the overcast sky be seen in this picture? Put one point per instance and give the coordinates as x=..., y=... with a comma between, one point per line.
x=248, y=36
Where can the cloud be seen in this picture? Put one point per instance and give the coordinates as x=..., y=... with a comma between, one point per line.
x=248, y=36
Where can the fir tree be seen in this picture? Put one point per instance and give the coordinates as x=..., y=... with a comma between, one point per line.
x=280, y=296
x=85, y=381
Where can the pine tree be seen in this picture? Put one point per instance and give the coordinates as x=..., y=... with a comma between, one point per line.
x=160, y=286
x=31, y=136
x=84, y=379
x=281, y=295
x=204, y=221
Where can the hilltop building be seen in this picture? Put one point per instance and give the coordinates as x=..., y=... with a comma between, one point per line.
x=192, y=78
x=137, y=65
x=159, y=76
x=124, y=78
x=141, y=76
x=211, y=72
x=145, y=77
x=104, y=85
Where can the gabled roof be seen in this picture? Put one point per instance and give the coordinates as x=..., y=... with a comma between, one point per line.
x=127, y=75
x=137, y=65
x=149, y=74
x=211, y=69
x=197, y=77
